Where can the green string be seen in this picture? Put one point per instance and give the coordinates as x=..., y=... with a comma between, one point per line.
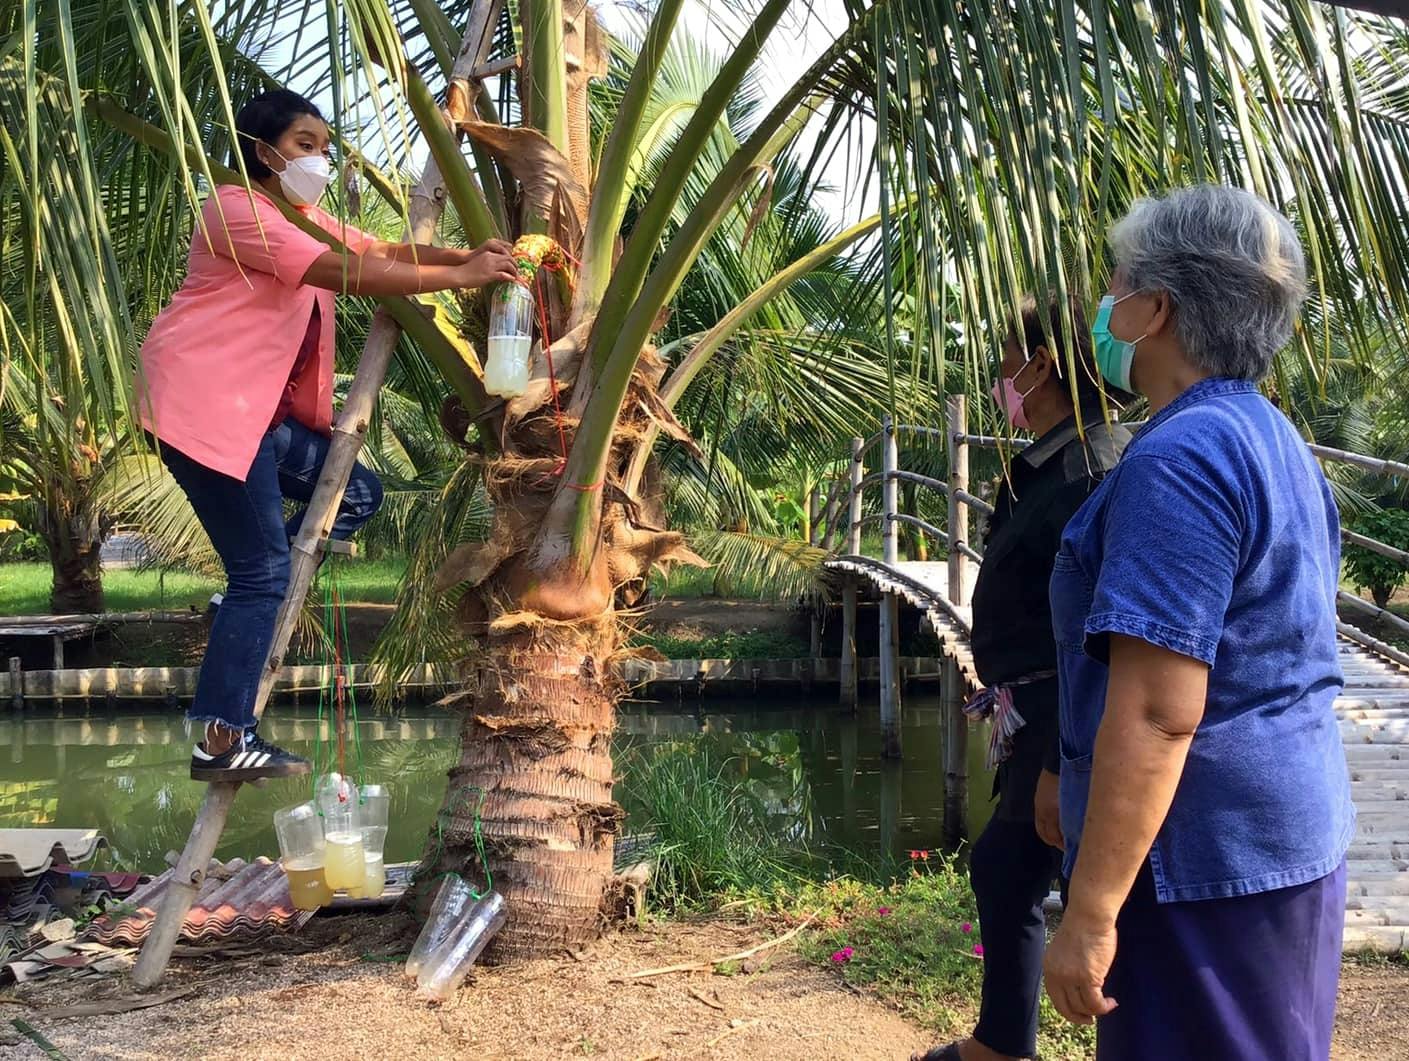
x=441, y=819
x=351, y=690
x=335, y=615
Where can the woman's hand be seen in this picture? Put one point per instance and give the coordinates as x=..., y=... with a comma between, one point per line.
x=491, y=262
x=1047, y=812
x=1077, y=962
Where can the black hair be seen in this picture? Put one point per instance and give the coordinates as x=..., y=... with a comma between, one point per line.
x=266, y=118
x=1035, y=335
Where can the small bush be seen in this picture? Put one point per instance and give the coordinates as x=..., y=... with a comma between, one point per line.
x=708, y=835
x=1369, y=570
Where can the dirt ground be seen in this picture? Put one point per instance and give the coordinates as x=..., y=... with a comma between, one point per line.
x=1370, y=1014
x=319, y=997
x=332, y=1004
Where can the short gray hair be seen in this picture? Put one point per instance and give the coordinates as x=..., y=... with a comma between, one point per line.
x=1232, y=265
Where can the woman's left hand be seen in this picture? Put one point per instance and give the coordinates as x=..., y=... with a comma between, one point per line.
x=1077, y=962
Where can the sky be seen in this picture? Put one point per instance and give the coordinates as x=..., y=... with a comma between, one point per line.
x=805, y=31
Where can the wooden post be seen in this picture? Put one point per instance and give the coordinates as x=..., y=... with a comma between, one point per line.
x=427, y=204
x=890, y=604
x=830, y=510
x=58, y=651
x=958, y=511
x=956, y=728
x=956, y=753
x=16, y=684
x=852, y=547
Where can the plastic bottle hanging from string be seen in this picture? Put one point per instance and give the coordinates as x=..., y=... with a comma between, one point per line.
x=512, y=309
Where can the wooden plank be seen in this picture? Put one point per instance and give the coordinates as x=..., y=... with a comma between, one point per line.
x=47, y=629
x=104, y=618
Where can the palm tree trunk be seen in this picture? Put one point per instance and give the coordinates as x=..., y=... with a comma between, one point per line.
x=536, y=742
x=74, y=534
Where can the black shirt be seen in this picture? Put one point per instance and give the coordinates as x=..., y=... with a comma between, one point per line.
x=1047, y=483
x=1012, y=615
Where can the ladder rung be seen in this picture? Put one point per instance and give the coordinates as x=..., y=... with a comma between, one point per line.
x=499, y=66
x=339, y=547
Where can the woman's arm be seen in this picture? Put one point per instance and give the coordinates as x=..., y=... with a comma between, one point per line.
x=367, y=274
x=422, y=253
x=1154, y=703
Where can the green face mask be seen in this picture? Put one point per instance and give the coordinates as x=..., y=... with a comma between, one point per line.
x=1113, y=356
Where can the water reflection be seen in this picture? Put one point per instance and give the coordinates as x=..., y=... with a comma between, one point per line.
x=817, y=770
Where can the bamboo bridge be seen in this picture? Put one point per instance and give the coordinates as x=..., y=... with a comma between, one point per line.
x=1373, y=709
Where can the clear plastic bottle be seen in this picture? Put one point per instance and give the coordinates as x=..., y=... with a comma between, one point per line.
x=510, y=340
x=343, y=863
x=375, y=812
x=301, y=853
x=451, y=903
x=450, y=963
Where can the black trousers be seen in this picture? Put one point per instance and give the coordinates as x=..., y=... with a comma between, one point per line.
x=1011, y=871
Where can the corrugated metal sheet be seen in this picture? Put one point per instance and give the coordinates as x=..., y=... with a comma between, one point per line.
x=236, y=899
x=29, y=852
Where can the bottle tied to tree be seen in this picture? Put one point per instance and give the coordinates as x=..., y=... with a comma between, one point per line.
x=510, y=340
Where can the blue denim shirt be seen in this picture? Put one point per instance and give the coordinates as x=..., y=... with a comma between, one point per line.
x=1216, y=537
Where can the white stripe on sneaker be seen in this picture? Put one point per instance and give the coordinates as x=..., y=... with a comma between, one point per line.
x=200, y=753
x=263, y=758
x=239, y=759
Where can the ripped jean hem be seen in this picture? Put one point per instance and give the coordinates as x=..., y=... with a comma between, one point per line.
x=205, y=719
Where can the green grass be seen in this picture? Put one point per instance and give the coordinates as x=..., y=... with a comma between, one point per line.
x=24, y=587
x=758, y=644
x=710, y=832
x=908, y=945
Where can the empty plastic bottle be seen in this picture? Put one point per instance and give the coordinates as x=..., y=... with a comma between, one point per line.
x=450, y=963
x=451, y=904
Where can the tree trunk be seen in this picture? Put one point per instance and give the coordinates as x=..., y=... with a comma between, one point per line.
x=537, y=742
x=74, y=535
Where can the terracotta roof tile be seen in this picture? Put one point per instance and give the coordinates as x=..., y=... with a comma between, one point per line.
x=236, y=899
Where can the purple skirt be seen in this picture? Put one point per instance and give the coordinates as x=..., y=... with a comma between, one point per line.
x=1251, y=978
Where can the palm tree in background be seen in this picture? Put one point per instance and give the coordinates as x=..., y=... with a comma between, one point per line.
x=1010, y=133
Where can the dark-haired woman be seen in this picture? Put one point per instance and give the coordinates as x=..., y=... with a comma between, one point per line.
x=1015, y=860
x=236, y=384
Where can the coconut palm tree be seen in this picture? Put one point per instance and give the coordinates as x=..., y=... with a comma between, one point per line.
x=1011, y=132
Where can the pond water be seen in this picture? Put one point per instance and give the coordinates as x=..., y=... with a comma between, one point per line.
x=817, y=768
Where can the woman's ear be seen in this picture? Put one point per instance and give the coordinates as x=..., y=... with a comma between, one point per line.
x=1162, y=318
x=268, y=156
x=1043, y=365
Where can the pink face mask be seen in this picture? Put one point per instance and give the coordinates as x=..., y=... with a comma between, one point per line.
x=1010, y=400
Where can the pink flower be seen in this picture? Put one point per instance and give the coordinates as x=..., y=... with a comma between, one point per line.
x=883, y=911
x=966, y=928
x=843, y=956
x=978, y=949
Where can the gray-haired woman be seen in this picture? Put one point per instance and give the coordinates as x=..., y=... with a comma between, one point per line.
x=1204, y=793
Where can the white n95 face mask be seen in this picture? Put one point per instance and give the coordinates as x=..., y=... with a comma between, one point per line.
x=305, y=179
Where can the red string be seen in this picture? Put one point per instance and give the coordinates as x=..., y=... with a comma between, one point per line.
x=542, y=304
x=339, y=692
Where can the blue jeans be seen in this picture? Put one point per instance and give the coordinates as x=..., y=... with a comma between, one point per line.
x=245, y=522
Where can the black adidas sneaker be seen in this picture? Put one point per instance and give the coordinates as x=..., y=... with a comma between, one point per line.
x=252, y=759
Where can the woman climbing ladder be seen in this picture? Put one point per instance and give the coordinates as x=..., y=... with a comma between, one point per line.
x=236, y=387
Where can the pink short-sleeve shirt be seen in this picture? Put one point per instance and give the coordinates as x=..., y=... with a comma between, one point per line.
x=218, y=357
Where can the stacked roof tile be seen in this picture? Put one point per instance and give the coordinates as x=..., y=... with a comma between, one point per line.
x=29, y=852
x=237, y=898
